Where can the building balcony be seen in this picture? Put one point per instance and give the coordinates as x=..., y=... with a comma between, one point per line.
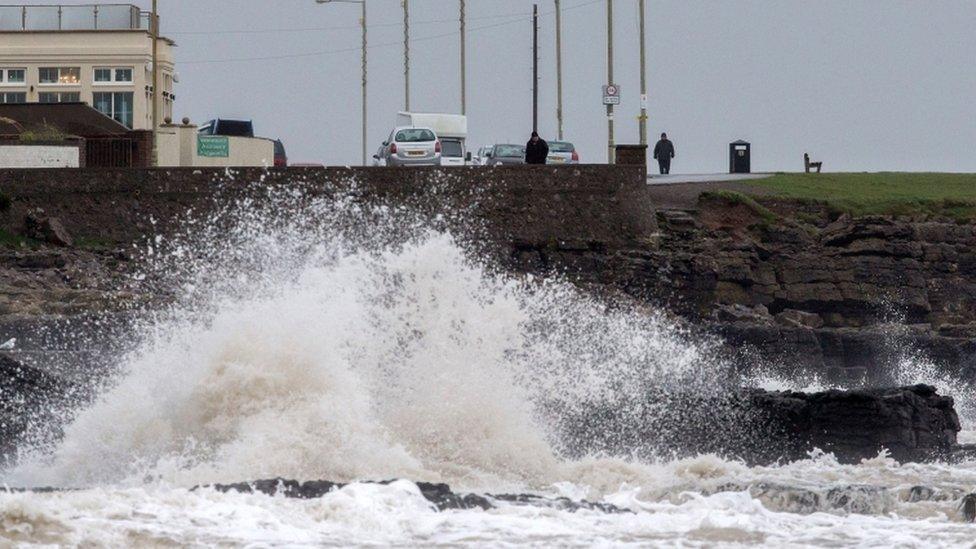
x=88, y=17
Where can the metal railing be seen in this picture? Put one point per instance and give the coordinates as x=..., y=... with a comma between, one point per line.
x=75, y=17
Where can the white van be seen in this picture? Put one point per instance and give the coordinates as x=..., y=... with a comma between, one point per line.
x=451, y=129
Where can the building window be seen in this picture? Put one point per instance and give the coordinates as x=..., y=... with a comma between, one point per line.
x=113, y=75
x=58, y=97
x=117, y=105
x=13, y=97
x=59, y=75
x=13, y=77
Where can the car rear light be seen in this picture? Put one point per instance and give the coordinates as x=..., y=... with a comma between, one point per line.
x=575, y=156
x=393, y=149
x=437, y=146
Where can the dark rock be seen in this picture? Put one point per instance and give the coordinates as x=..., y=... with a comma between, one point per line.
x=968, y=507
x=440, y=495
x=46, y=229
x=741, y=313
x=799, y=319
x=761, y=427
x=911, y=423
x=28, y=398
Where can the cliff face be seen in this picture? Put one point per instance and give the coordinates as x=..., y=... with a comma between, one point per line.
x=835, y=295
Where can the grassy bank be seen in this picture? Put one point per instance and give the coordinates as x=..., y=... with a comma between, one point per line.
x=952, y=195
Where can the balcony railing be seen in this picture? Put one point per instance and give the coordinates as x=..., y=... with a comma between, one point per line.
x=76, y=17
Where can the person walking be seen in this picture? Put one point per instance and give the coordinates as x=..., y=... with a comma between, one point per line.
x=536, y=150
x=664, y=152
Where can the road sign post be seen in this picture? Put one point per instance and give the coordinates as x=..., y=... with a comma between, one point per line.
x=611, y=94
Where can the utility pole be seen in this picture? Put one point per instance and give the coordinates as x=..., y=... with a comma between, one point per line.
x=535, y=67
x=559, y=70
x=362, y=22
x=611, y=156
x=154, y=159
x=406, y=55
x=643, y=77
x=464, y=62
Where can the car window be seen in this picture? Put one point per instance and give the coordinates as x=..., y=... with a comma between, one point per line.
x=561, y=147
x=415, y=135
x=509, y=150
x=451, y=149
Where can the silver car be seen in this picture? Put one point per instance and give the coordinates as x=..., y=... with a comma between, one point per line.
x=506, y=155
x=409, y=146
x=562, y=152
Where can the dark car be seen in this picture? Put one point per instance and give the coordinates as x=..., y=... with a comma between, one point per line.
x=281, y=157
x=232, y=128
x=506, y=155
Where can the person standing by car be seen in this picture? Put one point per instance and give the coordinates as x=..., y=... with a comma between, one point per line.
x=536, y=150
x=664, y=152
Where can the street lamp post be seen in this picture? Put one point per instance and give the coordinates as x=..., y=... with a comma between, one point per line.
x=643, y=79
x=362, y=21
x=406, y=55
x=464, y=61
x=559, y=71
x=154, y=31
x=611, y=156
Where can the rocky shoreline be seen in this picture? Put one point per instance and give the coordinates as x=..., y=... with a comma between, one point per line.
x=788, y=285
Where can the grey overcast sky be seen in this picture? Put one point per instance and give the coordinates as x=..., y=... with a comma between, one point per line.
x=864, y=85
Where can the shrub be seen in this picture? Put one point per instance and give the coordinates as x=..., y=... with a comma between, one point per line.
x=44, y=132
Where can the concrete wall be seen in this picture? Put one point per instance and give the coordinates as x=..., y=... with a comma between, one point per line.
x=526, y=212
x=16, y=155
x=178, y=148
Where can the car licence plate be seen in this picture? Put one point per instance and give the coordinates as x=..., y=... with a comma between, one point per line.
x=416, y=153
x=556, y=159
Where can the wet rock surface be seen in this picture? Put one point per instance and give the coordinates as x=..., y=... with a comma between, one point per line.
x=28, y=398
x=439, y=495
x=912, y=424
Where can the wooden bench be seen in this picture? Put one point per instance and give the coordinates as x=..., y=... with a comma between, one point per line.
x=811, y=165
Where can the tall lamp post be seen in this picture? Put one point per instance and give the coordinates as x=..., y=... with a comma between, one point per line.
x=406, y=55
x=464, y=61
x=154, y=31
x=362, y=21
x=559, y=71
x=643, y=78
x=611, y=156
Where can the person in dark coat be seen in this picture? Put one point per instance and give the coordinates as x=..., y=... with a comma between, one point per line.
x=536, y=150
x=664, y=152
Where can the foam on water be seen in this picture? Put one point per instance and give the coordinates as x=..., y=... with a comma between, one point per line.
x=315, y=346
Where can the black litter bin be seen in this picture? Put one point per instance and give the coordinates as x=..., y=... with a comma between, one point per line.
x=740, y=157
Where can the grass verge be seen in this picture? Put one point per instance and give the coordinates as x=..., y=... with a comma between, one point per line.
x=951, y=195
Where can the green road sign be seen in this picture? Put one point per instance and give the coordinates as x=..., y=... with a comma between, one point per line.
x=215, y=146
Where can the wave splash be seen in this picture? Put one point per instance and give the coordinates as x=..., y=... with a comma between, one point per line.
x=310, y=350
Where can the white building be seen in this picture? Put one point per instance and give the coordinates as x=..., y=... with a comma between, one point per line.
x=96, y=54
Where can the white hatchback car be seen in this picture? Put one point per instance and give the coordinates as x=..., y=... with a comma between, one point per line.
x=409, y=146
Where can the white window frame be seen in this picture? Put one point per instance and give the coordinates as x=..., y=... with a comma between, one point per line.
x=4, y=77
x=59, y=83
x=114, y=73
x=3, y=95
x=113, y=112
